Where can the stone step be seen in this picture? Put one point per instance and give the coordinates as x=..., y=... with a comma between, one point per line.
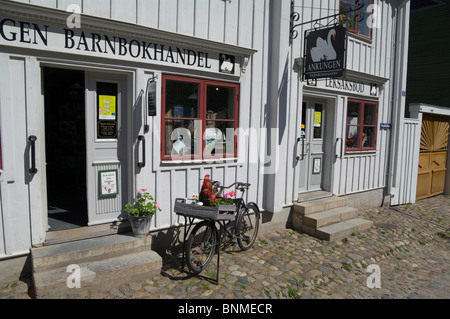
x=331, y=216
x=305, y=197
x=103, y=274
x=318, y=205
x=100, y=262
x=342, y=229
x=47, y=257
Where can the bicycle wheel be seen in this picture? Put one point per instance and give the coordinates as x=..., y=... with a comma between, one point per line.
x=247, y=226
x=201, y=246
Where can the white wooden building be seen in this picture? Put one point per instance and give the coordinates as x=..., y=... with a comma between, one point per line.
x=74, y=108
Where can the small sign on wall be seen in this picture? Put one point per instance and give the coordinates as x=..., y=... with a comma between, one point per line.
x=317, y=165
x=108, y=181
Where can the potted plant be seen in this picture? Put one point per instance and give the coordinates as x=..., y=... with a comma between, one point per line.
x=140, y=212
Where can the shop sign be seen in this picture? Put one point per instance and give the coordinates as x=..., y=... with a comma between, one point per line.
x=325, y=54
x=27, y=34
x=346, y=86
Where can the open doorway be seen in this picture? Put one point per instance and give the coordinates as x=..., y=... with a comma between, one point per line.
x=65, y=139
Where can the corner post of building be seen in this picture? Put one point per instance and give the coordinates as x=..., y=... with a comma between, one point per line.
x=278, y=90
x=398, y=97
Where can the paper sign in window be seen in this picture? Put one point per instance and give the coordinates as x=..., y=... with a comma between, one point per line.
x=107, y=107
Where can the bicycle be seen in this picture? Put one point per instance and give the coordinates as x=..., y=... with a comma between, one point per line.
x=205, y=237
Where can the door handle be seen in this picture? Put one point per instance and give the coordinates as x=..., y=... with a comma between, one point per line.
x=141, y=138
x=300, y=158
x=32, y=139
x=340, y=152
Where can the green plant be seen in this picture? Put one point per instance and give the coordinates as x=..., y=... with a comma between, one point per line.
x=144, y=205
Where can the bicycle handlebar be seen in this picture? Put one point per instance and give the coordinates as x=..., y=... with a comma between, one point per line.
x=238, y=185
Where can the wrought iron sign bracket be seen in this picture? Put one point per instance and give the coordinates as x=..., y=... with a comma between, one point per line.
x=295, y=16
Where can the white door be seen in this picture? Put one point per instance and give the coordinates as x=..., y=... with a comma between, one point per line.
x=108, y=151
x=311, y=147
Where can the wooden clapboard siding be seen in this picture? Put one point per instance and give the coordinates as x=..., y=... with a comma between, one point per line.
x=245, y=24
x=355, y=172
x=214, y=20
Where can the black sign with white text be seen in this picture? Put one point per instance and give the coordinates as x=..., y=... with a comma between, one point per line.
x=325, y=53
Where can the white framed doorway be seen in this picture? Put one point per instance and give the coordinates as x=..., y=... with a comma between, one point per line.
x=88, y=152
x=314, y=151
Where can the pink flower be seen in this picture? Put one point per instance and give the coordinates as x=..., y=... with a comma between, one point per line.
x=157, y=205
x=142, y=190
x=227, y=196
x=213, y=196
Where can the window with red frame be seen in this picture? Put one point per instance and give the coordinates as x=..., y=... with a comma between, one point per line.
x=361, y=128
x=199, y=118
x=360, y=21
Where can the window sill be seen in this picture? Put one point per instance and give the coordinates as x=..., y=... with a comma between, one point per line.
x=364, y=152
x=225, y=160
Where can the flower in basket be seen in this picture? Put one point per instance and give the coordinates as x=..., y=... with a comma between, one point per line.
x=144, y=205
x=225, y=200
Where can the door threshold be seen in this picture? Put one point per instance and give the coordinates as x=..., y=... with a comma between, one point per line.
x=75, y=234
x=318, y=194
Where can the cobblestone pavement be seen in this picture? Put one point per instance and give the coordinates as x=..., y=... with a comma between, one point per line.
x=410, y=245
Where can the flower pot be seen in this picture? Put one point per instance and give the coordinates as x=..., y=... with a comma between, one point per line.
x=140, y=225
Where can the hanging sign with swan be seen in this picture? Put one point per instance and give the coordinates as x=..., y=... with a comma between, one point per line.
x=325, y=53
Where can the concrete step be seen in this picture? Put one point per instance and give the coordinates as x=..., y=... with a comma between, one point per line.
x=87, y=250
x=318, y=205
x=342, y=229
x=104, y=274
x=331, y=216
x=305, y=197
x=103, y=261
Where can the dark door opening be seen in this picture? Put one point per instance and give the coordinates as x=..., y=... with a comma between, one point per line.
x=65, y=138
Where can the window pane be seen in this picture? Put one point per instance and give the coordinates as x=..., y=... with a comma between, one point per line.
x=365, y=24
x=353, y=113
x=368, y=137
x=182, y=99
x=219, y=137
x=181, y=137
x=108, y=106
x=318, y=118
x=220, y=102
x=369, y=114
x=352, y=140
x=349, y=19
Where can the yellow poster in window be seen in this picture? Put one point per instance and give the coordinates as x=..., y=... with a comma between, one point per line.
x=107, y=107
x=317, y=119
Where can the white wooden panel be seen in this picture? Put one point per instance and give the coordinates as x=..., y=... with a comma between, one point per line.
x=45, y=3
x=97, y=8
x=15, y=204
x=64, y=4
x=147, y=13
x=124, y=10
x=216, y=20
x=186, y=17
x=108, y=208
x=201, y=29
x=193, y=181
x=409, y=160
x=247, y=26
x=168, y=13
x=2, y=238
x=163, y=182
x=232, y=20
